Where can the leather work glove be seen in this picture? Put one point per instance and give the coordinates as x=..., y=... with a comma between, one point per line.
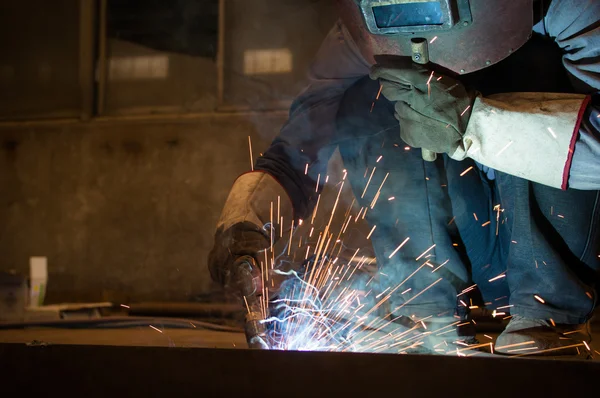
x=433, y=110
x=232, y=262
x=239, y=240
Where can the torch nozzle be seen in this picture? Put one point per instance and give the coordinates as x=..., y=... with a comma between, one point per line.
x=248, y=280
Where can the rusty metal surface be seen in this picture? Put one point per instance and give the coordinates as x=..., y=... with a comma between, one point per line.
x=150, y=371
x=216, y=310
x=498, y=29
x=138, y=337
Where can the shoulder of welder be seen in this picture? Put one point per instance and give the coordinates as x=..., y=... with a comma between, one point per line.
x=575, y=26
x=338, y=57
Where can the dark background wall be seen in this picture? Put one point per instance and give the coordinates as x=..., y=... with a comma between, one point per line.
x=124, y=206
x=123, y=210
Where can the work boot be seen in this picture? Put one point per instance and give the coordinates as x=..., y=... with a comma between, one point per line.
x=540, y=337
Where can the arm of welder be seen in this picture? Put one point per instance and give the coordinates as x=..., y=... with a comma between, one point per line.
x=552, y=139
x=574, y=25
x=279, y=184
x=279, y=181
x=301, y=151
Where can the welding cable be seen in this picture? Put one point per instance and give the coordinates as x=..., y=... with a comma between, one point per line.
x=122, y=323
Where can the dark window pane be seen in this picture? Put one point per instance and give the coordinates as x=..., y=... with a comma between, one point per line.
x=39, y=67
x=161, y=56
x=269, y=46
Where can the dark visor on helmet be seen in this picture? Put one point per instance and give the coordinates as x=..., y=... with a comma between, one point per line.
x=408, y=14
x=411, y=16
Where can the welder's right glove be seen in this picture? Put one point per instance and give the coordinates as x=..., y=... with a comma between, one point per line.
x=241, y=239
x=244, y=227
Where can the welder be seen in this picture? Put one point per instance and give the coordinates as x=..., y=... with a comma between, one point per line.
x=509, y=103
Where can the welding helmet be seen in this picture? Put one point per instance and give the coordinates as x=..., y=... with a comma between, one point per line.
x=462, y=35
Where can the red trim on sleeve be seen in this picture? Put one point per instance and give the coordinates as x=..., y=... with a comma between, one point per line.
x=567, y=169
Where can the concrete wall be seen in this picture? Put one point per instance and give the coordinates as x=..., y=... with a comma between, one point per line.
x=123, y=211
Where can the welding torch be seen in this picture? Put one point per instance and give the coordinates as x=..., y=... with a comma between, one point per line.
x=247, y=280
x=420, y=55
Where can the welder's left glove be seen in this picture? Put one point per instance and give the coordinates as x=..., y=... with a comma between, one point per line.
x=433, y=110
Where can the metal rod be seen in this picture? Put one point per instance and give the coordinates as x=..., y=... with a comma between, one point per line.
x=161, y=118
x=420, y=55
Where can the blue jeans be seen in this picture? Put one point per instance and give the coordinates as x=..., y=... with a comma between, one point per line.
x=545, y=241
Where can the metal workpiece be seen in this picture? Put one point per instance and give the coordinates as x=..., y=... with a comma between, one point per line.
x=105, y=371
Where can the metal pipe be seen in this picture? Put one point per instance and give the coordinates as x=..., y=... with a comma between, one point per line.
x=420, y=55
x=161, y=118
